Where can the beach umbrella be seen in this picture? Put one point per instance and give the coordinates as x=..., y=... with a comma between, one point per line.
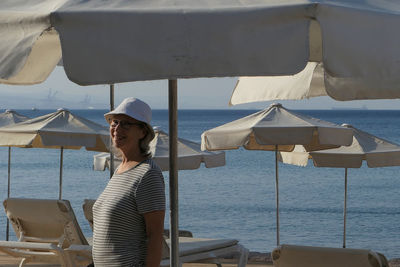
x=190, y=155
x=328, y=71
x=61, y=129
x=359, y=54
x=303, y=85
x=10, y=117
x=199, y=39
x=276, y=129
x=375, y=151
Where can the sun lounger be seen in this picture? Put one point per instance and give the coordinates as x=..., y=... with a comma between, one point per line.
x=307, y=256
x=194, y=250
x=202, y=250
x=47, y=232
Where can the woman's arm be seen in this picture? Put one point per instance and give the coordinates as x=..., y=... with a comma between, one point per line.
x=154, y=229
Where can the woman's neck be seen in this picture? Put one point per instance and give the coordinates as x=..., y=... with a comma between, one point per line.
x=130, y=160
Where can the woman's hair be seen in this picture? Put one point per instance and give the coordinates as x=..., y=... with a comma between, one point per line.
x=144, y=143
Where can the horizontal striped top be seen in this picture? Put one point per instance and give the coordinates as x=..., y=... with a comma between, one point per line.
x=119, y=237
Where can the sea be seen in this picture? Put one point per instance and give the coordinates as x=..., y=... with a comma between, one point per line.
x=238, y=200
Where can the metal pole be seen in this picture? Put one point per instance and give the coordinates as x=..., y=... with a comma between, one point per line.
x=111, y=108
x=61, y=167
x=173, y=172
x=277, y=194
x=345, y=208
x=8, y=190
x=111, y=97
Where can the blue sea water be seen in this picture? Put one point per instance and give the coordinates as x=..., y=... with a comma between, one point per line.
x=238, y=200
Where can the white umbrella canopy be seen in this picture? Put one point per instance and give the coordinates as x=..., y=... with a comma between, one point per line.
x=60, y=129
x=276, y=129
x=303, y=85
x=360, y=41
x=334, y=77
x=10, y=117
x=376, y=152
x=190, y=155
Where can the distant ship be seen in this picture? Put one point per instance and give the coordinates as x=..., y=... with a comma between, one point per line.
x=364, y=107
x=34, y=109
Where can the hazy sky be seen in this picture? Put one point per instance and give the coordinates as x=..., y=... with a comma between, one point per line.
x=208, y=93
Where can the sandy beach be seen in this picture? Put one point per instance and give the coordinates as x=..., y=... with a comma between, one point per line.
x=256, y=259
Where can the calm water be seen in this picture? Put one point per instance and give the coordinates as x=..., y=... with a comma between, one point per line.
x=238, y=200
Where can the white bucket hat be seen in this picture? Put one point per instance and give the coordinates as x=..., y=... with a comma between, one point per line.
x=134, y=108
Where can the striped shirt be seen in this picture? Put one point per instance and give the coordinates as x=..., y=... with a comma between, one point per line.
x=119, y=237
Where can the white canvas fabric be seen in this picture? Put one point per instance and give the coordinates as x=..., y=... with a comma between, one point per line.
x=343, y=75
x=55, y=130
x=11, y=117
x=305, y=84
x=104, y=42
x=276, y=126
x=190, y=155
x=30, y=48
x=375, y=151
x=182, y=39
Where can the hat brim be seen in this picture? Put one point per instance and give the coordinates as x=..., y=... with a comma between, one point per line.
x=108, y=116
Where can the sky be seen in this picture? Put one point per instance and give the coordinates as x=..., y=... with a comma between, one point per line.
x=205, y=93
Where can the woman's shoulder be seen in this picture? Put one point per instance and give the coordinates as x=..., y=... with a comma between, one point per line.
x=151, y=165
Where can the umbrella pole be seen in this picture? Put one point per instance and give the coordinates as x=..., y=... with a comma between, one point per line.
x=61, y=167
x=277, y=194
x=345, y=208
x=111, y=108
x=173, y=172
x=8, y=190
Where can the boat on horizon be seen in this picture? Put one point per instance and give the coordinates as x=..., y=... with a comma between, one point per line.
x=363, y=107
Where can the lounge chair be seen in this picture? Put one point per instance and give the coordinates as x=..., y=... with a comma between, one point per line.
x=307, y=256
x=194, y=250
x=47, y=232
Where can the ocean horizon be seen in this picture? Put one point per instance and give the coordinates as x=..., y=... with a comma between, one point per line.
x=238, y=199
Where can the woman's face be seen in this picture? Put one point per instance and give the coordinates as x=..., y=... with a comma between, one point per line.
x=126, y=132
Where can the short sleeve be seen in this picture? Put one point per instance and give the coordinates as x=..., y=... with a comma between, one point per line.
x=150, y=193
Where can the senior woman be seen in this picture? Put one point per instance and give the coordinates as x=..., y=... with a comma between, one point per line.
x=129, y=213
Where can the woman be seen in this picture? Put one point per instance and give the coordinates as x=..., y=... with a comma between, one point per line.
x=129, y=213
